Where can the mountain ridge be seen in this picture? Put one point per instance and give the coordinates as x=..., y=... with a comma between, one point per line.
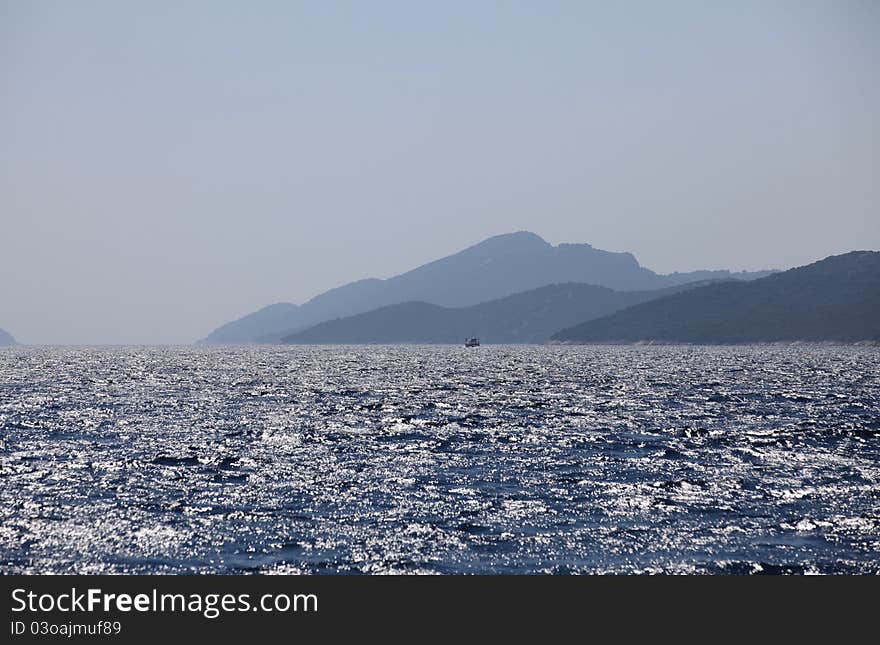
x=493, y=268
x=252, y=324
x=526, y=317
x=833, y=299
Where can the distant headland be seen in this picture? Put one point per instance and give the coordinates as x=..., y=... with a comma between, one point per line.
x=494, y=269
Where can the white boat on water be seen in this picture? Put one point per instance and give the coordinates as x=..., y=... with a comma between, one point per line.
x=472, y=342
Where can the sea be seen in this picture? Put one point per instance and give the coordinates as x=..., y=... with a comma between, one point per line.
x=440, y=459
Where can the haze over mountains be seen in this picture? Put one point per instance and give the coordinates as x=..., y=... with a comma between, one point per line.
x=275, y=317
x=527, y=317
x=495, y=268
x=835, y=299
x=6, y=338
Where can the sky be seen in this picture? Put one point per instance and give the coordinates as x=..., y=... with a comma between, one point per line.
x=166, y=167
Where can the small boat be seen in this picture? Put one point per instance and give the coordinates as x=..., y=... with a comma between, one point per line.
x=472, y=342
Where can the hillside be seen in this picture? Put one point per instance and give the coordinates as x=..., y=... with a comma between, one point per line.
x=528, y=317
x=835, y=299
x=252, y=326
x=6, y=338
x=494, y=268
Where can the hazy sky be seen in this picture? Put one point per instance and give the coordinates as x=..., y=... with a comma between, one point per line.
x=168, y=166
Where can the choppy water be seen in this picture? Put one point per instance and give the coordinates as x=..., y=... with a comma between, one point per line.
x=440, y=459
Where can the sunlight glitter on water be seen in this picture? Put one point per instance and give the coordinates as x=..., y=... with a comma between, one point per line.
x=418, y=459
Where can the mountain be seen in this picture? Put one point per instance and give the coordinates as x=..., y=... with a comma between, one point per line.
x=528, y=317
x=252, y=326
x=835, y=299
x=6, y=338
x=497, y=267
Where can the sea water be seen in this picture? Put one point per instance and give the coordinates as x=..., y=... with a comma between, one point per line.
x=440, y=459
